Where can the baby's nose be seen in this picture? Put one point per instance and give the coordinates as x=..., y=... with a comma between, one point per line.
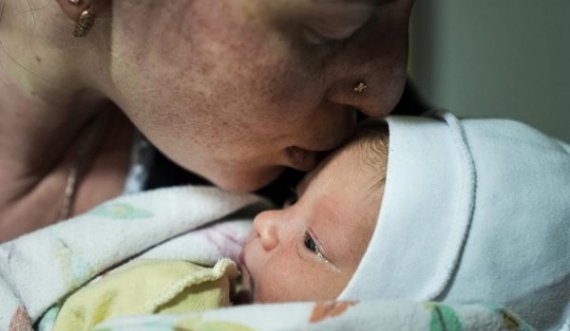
x=266, y=227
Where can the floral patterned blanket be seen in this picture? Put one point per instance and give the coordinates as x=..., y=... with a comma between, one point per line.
x=371, y=315
x=38, y=270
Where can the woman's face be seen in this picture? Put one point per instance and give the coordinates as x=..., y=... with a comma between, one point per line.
x=238, y=90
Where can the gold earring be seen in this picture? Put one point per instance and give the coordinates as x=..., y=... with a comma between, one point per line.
x=84, y=23
x=360, y=87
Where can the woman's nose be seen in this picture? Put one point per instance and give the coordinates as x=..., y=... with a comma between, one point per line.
x=371, y=74
x=266, y=226
x=355, y=94
x=365, y=94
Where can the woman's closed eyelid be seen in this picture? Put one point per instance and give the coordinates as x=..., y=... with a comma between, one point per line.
x=335, y=26
x=312, y=37
x=315, y=37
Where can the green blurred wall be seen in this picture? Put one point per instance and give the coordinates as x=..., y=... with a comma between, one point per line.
x=500, y=58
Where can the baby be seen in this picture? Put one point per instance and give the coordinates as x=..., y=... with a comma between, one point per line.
x=473, y=211
x=310, y=249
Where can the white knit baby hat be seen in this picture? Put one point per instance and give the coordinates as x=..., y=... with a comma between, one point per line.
x=473, y=211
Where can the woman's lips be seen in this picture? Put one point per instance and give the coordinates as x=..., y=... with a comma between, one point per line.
x=301, y=159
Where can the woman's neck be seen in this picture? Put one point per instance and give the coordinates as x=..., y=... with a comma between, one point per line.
x=51, y=84
x=47, y=99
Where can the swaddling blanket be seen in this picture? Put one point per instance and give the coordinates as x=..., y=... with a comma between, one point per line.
x=145, y=287
x=39, y=269
x=329, y=316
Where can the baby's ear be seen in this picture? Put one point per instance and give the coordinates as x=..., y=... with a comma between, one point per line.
x=73, y=9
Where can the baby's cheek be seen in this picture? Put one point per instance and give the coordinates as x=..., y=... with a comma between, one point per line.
x=282, y=280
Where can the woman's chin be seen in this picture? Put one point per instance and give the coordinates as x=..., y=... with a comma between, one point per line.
x=247, y=183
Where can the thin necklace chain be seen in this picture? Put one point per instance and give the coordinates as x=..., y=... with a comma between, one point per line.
x=83, y=154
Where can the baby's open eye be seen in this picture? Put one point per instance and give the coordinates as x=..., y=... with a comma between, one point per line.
x=310, y=243
x=312, y=246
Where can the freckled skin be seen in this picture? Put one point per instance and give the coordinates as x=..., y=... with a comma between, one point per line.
x=224, y=87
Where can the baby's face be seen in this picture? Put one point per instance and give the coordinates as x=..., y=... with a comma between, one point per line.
x=310, y=249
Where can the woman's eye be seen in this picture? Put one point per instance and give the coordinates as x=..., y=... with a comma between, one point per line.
x=314, y=37
x=336, y=21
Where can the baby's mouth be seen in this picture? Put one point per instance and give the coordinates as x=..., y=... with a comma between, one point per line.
x=245, y=293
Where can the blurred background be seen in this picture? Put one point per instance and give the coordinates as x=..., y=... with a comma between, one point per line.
x=489, y=58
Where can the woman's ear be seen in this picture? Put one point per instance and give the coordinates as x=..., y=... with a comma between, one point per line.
x=74, y=10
